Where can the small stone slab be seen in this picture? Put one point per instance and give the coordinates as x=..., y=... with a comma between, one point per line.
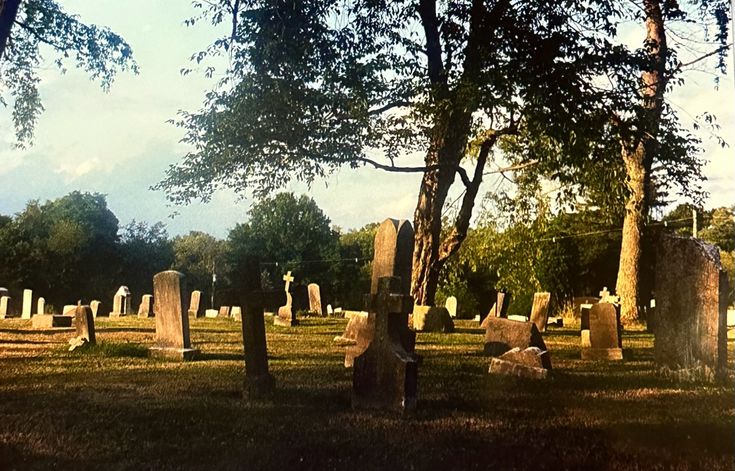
x=84, y=324
x=315, y=298
x=504, y=334
x=194, y=301
x=540, y=310
x=224, y=311
x=602, y=354
x=211, y=313
x=48, y=321
x=236, y=313
x=432, y=319
x=509, y=368
x=451, y=305
x=146, y=306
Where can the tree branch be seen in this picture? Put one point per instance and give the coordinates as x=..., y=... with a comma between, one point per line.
x=389, y=106
x=426, y=168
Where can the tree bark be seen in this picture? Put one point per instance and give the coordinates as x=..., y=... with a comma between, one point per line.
x=638, y=152
x=8, y=13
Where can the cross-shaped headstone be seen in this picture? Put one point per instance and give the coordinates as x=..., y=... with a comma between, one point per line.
x=288, y=279
x=603, y=294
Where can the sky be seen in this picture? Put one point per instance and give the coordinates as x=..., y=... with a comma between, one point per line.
x=120, y=143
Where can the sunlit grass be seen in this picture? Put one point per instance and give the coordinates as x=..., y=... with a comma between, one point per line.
x=111, y=407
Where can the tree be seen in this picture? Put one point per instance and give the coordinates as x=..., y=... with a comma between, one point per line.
x=316, y=85
x=65, y=248
x=642, y=134
x=285, y=233
x=353, y=272
x=199, y=255
x=144, y=251
x=24, y=26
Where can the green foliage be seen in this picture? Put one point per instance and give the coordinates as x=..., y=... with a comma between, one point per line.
x=198, y=255
x=144, y=251
x=354, y=271
x=65, y=247
x=98, y=51
x=285, y=233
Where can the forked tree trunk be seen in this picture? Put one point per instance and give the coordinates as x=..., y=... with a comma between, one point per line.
x=8, y=12
x=638, y=152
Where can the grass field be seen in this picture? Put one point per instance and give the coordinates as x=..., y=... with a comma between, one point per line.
x=112, y=408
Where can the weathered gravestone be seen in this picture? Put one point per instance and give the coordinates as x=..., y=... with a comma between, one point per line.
x=5, y=307
x=196, y=298
x=502, y=335
x=432, y=319
x=95, y=307
x=356, y=337
x=499, y=309
x=146, y=306
x=258, y=383
x=27, y=304
x=41, y=305
x=527, y=363
x=451, y=305
x=69, y=309
x=84, y=326
x=330, y=311
x=605, y=331
x=385, y=375
x=315, y=298
x=691, y=310
x=224, y=311
x=172, y=339
x=584, y=313
x=286, y=315
x=236, y=313
x=4, y=292
x=540, y=310
x=392, y=256
x=122, y=303
x=211, y=313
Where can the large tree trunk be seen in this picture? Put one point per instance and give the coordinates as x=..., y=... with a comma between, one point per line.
x=8, y=12
x=638, y=152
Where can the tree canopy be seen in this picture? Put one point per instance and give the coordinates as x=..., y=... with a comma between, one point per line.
x=25, y=27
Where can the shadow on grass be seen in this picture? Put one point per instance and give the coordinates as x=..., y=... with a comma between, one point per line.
x=124, y=329
x=204, y=356
x=114, y=350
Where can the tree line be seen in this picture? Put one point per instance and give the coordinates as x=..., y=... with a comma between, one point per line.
x=74, y=248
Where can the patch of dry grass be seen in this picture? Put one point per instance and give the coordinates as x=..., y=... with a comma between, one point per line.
x=113, y=408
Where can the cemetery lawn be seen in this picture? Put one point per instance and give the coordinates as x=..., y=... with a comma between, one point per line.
x=112, y=408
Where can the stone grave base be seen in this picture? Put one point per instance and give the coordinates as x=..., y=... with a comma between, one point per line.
x=278, y=320
x=585, y=338
x=176, y=354
x=211, y=313
x=509, y=368
x=259, y=387
x=599, y=354
x=351, y=314
x=48, y=321
x=117, y=315
x=518, y=318
x=555, y=321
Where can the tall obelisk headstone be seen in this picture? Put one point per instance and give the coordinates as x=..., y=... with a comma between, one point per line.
x=691, y=310
x=392, y=257
x=172, y=322
x=27, y=304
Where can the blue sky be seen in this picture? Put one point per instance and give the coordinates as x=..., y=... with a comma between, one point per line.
x=120, y=144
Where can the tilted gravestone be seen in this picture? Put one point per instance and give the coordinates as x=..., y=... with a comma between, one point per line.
x=84, y=324
x=315, y=298
x=194, y=302
x=540, y=310
x=385, y=375
x=392, y=256
x=5, y=307
x=146, y=306
x=499, y=309
x=286, y=316
x=27, y=304
x=502, y=335
x=451, y=305
x=605, y=333
x=41, y=306
x=432, y=319
x=172, y=339
x=122, y=302
x=691, y=310
x=224, y=311
x=258, y=383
